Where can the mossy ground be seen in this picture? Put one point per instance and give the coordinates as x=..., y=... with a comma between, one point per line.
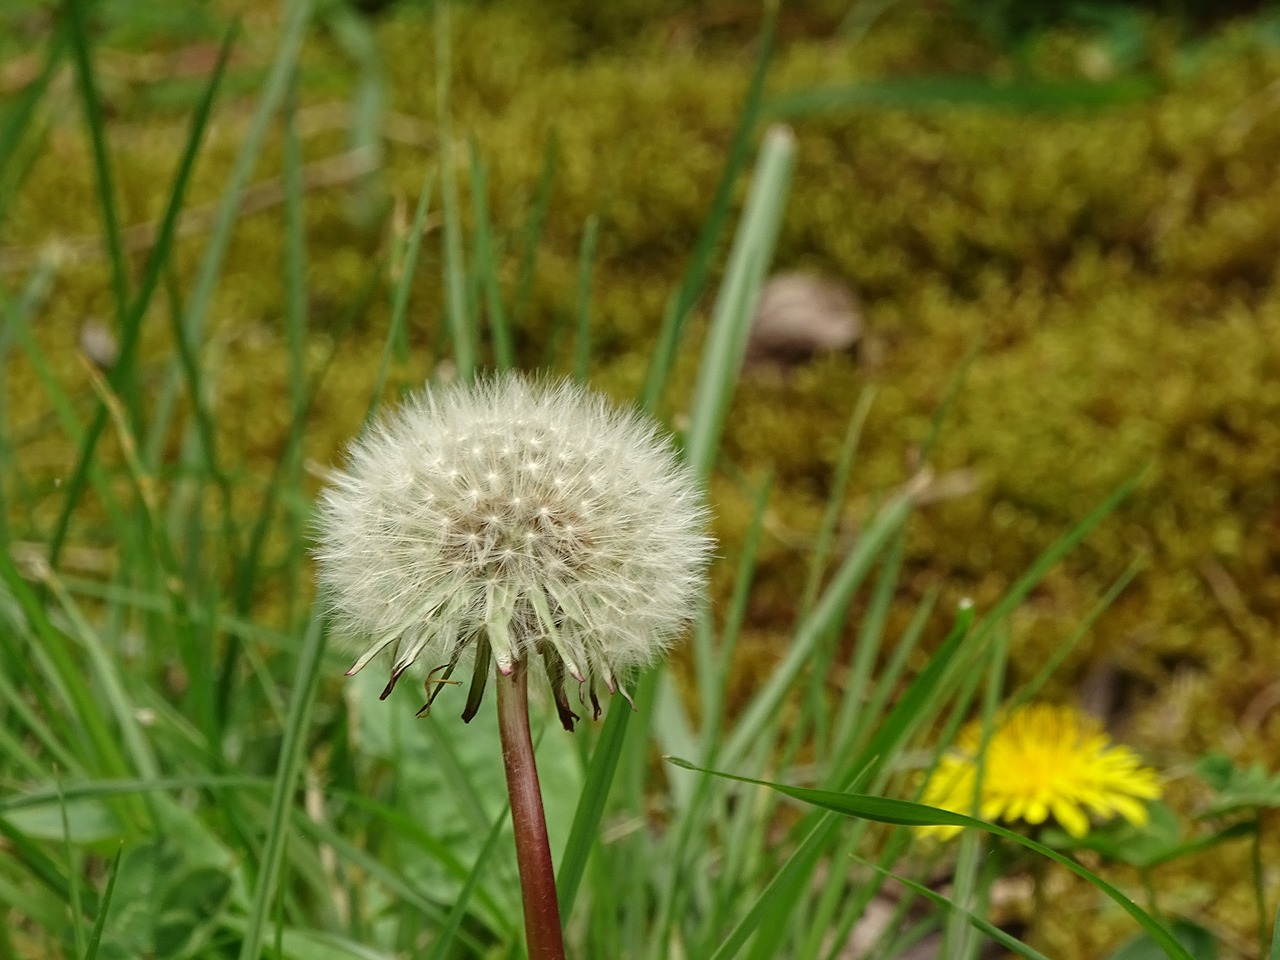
x=1118, y=265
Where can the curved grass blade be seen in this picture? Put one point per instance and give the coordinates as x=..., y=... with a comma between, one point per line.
x=1010, y=943
x=904, y=813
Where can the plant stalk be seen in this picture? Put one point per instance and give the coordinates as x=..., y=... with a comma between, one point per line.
x=533, y=852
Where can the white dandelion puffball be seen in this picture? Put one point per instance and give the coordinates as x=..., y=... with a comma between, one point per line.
x=523, y=520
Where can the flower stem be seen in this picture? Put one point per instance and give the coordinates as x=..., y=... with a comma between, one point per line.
x=533, y=852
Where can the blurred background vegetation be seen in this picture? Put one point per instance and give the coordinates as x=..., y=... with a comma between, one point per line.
x=1085, y=194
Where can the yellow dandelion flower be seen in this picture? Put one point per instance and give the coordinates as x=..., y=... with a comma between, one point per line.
x=1041, y=761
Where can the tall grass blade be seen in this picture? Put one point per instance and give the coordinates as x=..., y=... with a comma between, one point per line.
x=440, y=950
x=830, y=609
x=736, y=303
x=591, y=806
x=19, y=115
x=461, y=327
x=835, y=500
x=400, y=299
x=1054, y=553
x=486, y=265
x=104, y=905
x=121, y=373
x=531, y=238
x=582, y=333
x=96, y=126
x=288, y=770
x=695, y=278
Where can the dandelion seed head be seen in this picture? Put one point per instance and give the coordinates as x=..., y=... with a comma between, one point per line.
x=527, y=518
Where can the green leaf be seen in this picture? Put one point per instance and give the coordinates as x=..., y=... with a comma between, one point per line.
x=1199, y=943
x=1238, y=789
x=87, y=821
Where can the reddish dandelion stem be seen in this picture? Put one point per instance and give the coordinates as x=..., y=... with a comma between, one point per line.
x=533, y=852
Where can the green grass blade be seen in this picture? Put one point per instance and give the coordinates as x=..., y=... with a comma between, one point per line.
x=19, y=115
x=122, y=371
x=274, y=89
x=461, y=327
x=40, y=866
x=103, y=669
x=1010, y=943
x=104, y=905
x=695, y=278
x=99, y=789
x=486, y=265
x=1050, y=666
x=445, y=936
x=830, y=609
x=966, y=886
x=531, y=239
x=582, y=333
x=591, y=806
x=1055, y=552
x=908, y=814
x=79, y=35
x=779, y=897
x=288, y=768
x=835, y=501
x=276, y=488
x=857, y=717
x=74, y=881
x=912, y=707
x=295, y=259
x=786, y=886
x=711, y=675
x=81, y=715
x=1274, y=953
x=736, y=303
x=400, y=299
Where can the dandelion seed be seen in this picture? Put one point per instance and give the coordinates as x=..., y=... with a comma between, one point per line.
x=513, y=521
x=1041, y=761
